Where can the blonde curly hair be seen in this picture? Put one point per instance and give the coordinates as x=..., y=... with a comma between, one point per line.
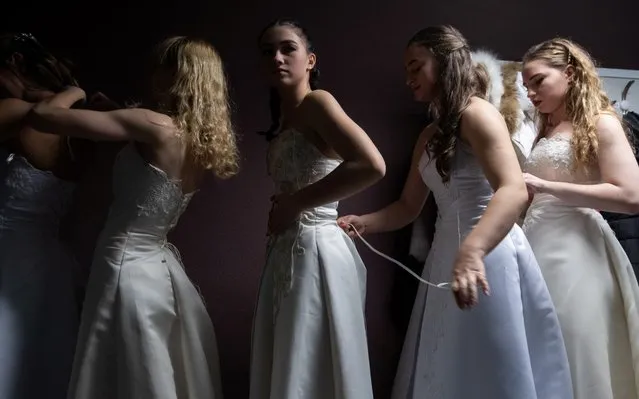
x=585, y=99
x=199, y=103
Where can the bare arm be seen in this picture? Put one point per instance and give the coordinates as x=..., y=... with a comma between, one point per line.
x=125, y=124
x=484, y=128
x=619, y=191
x=406, y=209
x=363, y=164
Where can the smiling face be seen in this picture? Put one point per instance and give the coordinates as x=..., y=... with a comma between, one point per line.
x=286, y=60
x=547, y=85
x=421, y=72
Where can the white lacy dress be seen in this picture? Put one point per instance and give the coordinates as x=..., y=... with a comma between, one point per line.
x=510, y=345
x=590, y=279
x=38, y=310
x=145, y=332
x=309, y=335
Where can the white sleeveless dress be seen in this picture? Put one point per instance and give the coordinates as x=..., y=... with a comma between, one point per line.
x=309, y=334
x=509, y=346
x=590, y=278
x=145, y=332
x=38, y=310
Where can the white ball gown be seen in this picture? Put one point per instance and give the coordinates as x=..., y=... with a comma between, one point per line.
x=38, y=309
x=309, y=334
x=145, y=332
x=509, y=346
x=589, y=277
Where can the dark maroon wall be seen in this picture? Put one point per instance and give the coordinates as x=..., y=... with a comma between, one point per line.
x=222, y=235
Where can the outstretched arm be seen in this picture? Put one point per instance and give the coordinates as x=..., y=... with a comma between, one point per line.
x=403, y=211
x=619, y=191
x=119, y=125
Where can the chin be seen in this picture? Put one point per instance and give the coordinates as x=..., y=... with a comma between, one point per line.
x=544, y=109
x=281, y=81
x=419, y=97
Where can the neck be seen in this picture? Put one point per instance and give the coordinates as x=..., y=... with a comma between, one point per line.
x=558, y=116
x=291, y=99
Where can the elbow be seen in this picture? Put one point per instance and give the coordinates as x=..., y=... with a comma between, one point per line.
x=519, y=196
x=377, y=168
x=632, y=203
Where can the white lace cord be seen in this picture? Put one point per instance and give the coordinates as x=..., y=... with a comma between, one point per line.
x=440, y=285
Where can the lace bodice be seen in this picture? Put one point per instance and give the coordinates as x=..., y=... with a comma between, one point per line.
x=294, y=162
x=551, y=159
x=31, y=199
x=146, y=201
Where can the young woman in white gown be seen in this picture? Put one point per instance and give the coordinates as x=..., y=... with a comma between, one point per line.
x=507, y=345
x=38, y=310
x=145, y=332
x=582, y=163
x=309, y=334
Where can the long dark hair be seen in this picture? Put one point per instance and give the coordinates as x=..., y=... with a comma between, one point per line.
x=274, y=98
x=38, y=65
x=458, y=80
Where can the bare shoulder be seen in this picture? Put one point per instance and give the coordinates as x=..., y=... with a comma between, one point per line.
x=149, y=116
x=609, y=127
x=155, y=123
x=479, y=110
x=319, y=103
x=319, y=98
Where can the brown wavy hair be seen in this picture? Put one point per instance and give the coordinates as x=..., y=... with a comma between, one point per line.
x=458, y=80
x=585, y=99
x=38, y=65
x=199, y=103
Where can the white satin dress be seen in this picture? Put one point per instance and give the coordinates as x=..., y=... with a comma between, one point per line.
x=145, y=332
x=590, y=278
x=510, y=345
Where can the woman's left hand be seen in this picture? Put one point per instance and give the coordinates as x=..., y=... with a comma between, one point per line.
x=284, y=211
x=535, y=184
x=469, y=273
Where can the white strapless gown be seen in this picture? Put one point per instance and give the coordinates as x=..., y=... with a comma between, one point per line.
x=145, y=332
x=309, y=334
x=507, y=347
x=590, y=279
x=38, y=310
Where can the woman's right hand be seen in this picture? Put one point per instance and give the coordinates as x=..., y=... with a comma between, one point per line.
x=345, y=223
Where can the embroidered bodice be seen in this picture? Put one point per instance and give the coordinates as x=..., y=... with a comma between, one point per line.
x=551, y=159
x=146, y=202
x=294, y=163
x=32, y=200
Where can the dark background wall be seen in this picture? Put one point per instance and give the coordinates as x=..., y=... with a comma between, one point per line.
x=359, y=44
